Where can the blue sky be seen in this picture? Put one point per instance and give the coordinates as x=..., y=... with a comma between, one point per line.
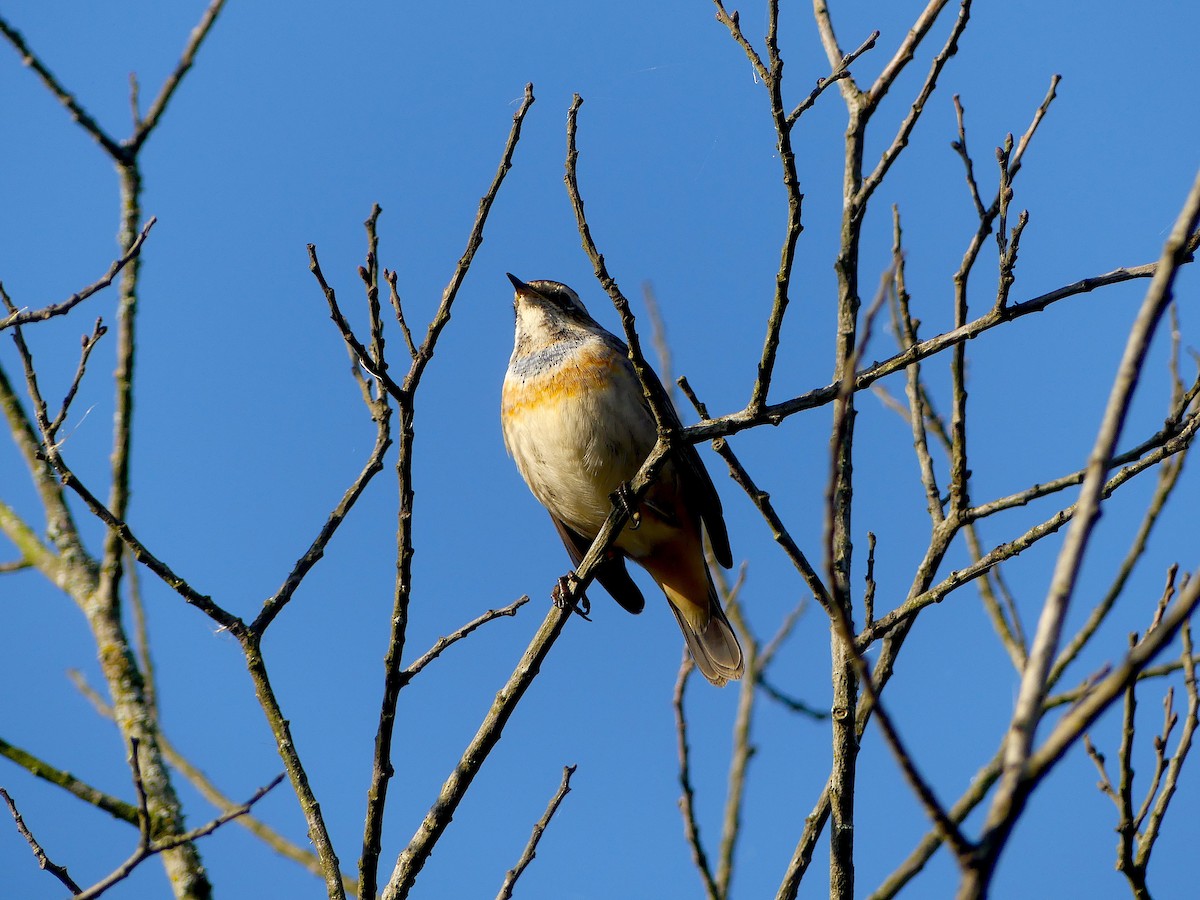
x=295, y=119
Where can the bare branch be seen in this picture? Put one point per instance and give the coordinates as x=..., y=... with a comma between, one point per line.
x=691, y=828
x=730, y=21
x=394, y=678
x=663, y=418
x=510, y=880
x=762, y=500
x=115, y=807
x=25, y=317
x=65, y=97
x=44, y=862
x=1190, y=723
x=840, y=71
x=1008, y=801
x=442, y=643
x=146, y=124
x=732, y=423
x=900, y=141
x=359, y=351
x=88, y=344
x=938, y=592
x=907, y=49
x=150, y=847
x=1168, y=477
x=202, y=602
x=381, y=413
x=414, y=856
x=981, y=783
x=394, y=296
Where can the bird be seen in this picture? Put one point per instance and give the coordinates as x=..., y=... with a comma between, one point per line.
x=576, y=422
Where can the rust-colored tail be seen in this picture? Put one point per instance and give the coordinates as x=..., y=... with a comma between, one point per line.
x=693, y=598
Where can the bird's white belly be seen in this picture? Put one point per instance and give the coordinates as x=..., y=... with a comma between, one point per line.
x=575, y=437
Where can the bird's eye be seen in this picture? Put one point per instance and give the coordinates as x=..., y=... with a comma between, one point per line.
x=559, y=298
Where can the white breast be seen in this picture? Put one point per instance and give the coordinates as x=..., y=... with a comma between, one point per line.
x=577, y=429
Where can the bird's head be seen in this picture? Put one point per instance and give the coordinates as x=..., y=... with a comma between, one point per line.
x=547, y=311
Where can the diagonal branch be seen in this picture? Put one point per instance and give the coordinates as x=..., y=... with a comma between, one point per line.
x=440, y=645
x=773, y=414
x=149, y=847
x=44, y=862
x=416, y=854
x=872, y=181
x=65, y=97
x=663, y=417
x=510, y=879
x=25, y=317
x=167, y=91
x=840, y=71
x=1008, y=801
x=39, y=768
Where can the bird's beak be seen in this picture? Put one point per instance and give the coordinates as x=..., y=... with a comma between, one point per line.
x=522, y=287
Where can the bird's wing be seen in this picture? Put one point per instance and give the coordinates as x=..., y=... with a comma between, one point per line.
x=698, y=491
x=611, y=573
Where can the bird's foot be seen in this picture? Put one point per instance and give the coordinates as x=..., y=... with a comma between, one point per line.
x=561, y=596
x=622, y=498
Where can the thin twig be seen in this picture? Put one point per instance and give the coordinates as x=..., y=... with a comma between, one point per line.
x=663, y=417
x=510, y=879
x=907, y=50
x=88, y=344
x=203, y=602
x=841, y=70
x=762, y=501
x=791, y=703
x=381, y=413
x=1168, y=477
x=687, y=807
x=65, y=97
x=442, y=643
x=150, y=847
x=202, y=783
x=721, y=426
x=25, y=317
x=1190, y=723
x=937, y=592
x=394, y=296
x=905, y=53
x=148, y=122
x=44, y=861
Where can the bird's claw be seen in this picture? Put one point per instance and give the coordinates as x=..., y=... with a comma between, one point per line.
x=561, y=596
x=622, y=498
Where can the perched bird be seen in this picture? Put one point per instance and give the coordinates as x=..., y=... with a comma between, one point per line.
x=578, y=426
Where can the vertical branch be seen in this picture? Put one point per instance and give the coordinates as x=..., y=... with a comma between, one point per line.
x=771, y=73
x=382, y=771
x=691, y=827
x=118, y=499
x=96, y=587
x=743, y=750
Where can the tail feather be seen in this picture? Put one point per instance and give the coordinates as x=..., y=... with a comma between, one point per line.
x=680, y=570
x=710, y=638
x=715, y=647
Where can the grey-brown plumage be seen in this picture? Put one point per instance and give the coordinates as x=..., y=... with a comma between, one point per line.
x=578, y=426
